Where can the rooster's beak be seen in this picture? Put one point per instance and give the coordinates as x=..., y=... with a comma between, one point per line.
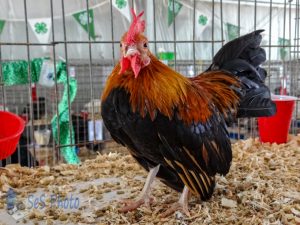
x=131, y=51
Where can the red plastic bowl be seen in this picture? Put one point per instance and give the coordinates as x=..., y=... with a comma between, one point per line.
x=275, y=129
x=11, y=128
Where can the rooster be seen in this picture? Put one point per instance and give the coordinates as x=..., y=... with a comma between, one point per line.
x=176, y=127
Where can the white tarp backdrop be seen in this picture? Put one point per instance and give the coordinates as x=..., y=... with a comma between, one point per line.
x=12, y=11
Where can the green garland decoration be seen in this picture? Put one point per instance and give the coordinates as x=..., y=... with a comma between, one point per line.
x=16, y=73
x=66, y=138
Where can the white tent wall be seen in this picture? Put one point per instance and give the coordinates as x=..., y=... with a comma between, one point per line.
x=12, y=11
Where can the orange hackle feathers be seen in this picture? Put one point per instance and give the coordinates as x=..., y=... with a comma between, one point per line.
x=154, y=89
x=159, y=88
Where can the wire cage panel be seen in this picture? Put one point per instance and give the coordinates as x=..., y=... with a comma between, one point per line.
x=194, y=35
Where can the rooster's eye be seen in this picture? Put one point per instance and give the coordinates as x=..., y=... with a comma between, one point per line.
x=120, y=45
x=145, y=45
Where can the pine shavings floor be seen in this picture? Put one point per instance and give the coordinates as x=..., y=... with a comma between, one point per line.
x=262, y=187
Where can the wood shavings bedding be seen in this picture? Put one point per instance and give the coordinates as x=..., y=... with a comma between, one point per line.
x=262, y=187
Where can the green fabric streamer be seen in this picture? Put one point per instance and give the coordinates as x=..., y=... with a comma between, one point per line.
x=66, y=138
x=16, y=72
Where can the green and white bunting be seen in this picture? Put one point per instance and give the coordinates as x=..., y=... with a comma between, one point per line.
x=232, y=31
x=173, y=5
x=41, y=28
x=86, y=20
x=283, y=51
x=2, y=24
x=123, y=7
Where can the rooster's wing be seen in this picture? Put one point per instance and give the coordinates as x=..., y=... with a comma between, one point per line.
x=197, y=151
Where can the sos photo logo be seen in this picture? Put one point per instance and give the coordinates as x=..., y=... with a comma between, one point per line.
x=40, y=201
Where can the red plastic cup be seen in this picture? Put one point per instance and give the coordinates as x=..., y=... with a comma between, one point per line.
x=12, y=127
x=275, y=129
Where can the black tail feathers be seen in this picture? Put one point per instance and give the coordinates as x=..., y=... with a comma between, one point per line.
x=243, y=57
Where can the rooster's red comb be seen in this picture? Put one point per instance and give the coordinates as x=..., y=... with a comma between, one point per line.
x=137, y=26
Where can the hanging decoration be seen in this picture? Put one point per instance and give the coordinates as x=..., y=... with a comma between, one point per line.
x=41, y=28
x=172, y=4
x=2, y=23
x=123, y=7
x=232, y=31
x=47, y=74
x=66, y=136
x=86, y=20
x=202, y=20
x=16, y=73
x=283, y=51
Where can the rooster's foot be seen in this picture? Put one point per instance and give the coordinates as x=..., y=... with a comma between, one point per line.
x=134, y=204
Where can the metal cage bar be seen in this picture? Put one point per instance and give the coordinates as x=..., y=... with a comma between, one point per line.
x=30, y=80
x=56, y=90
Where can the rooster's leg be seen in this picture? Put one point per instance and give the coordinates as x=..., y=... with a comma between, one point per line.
x=182, y=204
x=144, y=197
